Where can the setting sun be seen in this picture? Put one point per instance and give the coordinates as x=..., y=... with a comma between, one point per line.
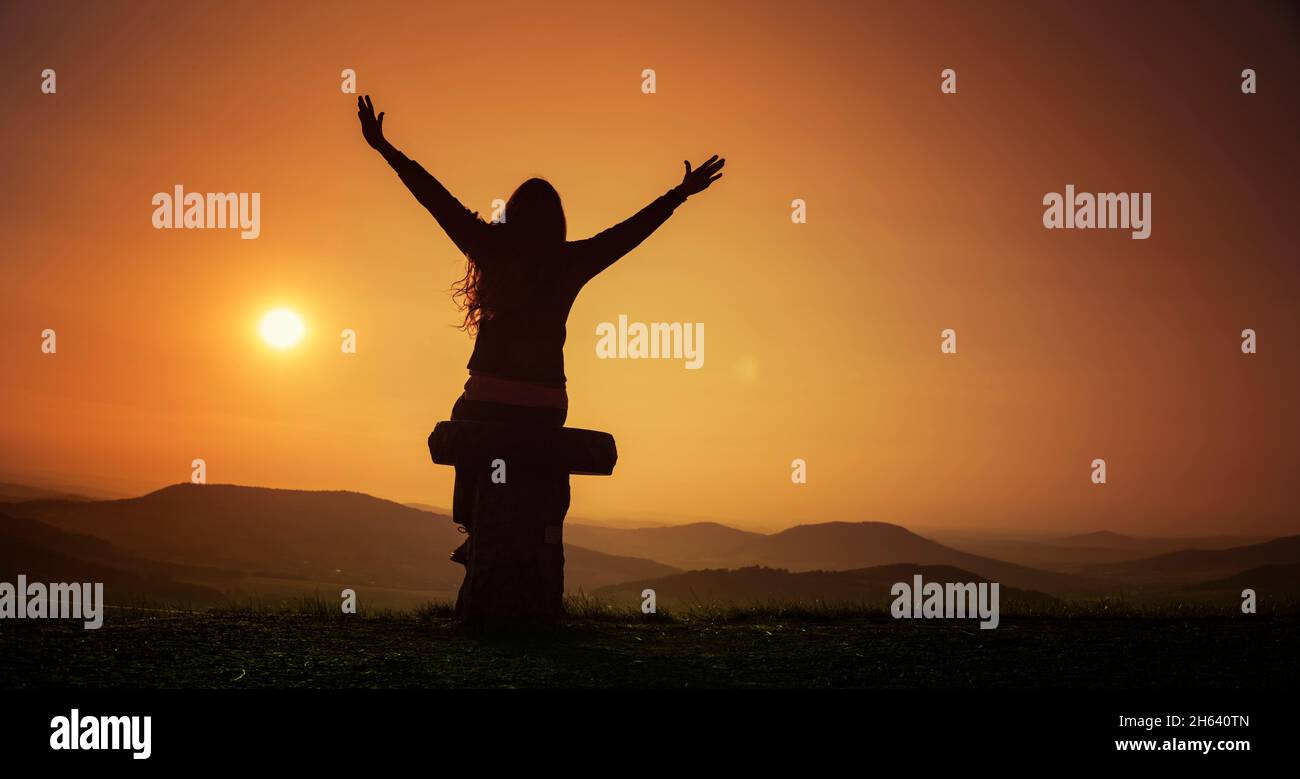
x=282, y=328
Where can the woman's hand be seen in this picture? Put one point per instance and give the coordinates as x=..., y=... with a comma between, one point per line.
x=372, y=128
x=699, y=179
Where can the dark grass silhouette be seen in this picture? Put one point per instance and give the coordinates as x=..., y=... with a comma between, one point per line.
x=812, y=646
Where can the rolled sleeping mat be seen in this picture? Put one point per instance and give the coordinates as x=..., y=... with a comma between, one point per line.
x=573, y=449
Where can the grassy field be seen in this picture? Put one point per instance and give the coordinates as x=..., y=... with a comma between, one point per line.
x=1097, y=645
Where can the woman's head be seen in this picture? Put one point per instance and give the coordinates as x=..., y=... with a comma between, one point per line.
x=534, y=215
x=532, y=227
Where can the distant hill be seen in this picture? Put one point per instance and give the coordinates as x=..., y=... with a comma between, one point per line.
x=587, y=570
x=1191, y=565
x=1106, y=539
x=1077, y=553
x=332, y=539
x=439, y=510
x=322, y=536
x=46, y=554
x=16, y=493
x=1266, y=581
x=696, y=545
x=758, y=584
x=831, y=546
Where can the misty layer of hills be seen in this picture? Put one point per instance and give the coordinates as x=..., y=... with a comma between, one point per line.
x=200, y=544
x=1082, y=553
x=759, y=584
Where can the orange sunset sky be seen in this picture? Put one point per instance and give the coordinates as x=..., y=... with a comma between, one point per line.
x=822, y=339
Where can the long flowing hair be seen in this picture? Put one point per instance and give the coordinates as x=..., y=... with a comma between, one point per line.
x=502, y=279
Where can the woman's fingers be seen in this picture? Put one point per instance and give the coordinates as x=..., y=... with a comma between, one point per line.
x=366, y=107
x=710, y=166
x=365, y=111
x=709, y=172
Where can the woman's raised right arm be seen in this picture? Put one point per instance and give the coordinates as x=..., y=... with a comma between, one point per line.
x=463, y=226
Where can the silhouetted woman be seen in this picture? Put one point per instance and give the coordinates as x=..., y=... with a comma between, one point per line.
x=521, y=278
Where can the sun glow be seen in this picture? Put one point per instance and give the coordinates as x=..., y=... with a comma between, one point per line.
x=282, y=328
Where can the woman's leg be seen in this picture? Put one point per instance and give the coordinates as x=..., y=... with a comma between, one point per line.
x=483, y=411
x=514, y=554
x=462, y=498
